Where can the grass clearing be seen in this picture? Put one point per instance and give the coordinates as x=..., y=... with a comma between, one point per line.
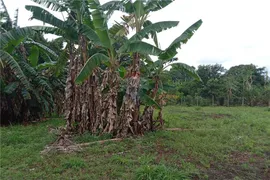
x=217, y=143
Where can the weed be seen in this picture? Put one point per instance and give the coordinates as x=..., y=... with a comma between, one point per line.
x=159, y=172
x=198, y=108
x=74, y=163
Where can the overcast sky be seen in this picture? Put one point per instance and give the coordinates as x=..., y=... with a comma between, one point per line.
x=233, y=31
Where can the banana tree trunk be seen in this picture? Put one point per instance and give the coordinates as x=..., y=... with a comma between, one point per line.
x=109, y=104
x=69, y=91
x=95, y=104
x=129, y=113
x=160, y=120
x=82, y=102
x=148, y=113
x=76, y=108
x=73, y=101
x=147, y=118
x=77, y=100
x=85, y=107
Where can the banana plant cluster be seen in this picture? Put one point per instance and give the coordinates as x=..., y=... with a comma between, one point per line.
x=28, y=90
x=106, y=63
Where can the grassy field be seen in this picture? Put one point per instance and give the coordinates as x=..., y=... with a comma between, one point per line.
x=210, y=143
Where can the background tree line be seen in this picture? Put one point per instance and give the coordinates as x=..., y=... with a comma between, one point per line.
x=245, y=85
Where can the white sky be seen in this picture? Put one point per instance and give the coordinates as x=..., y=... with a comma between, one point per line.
x=233, y=31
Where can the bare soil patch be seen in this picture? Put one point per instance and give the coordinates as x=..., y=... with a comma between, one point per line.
x=163, y=152
x=240, y=164
x=219, y=116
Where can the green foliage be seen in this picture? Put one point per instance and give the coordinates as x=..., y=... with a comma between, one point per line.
x=170, y=52
x=155, y=5
x=11, y=87
x=91, y=34
x=240, y=85
x=45, y=16
x=93, y=62
x=150, y=28
x=41, y=47
x=100, y=24
x=51, y=4
x=15, y=67
x=141, y=47
x=122, y=71
x=66, y=28
x=191, y=72
x=139, y=9
x=27, y=91
x=14, y=35
x=207, y=72
x=153, y=34
x=60, y=65
x=148, y=101
x=34, y=55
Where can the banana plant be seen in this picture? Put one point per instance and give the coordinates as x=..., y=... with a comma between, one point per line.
x=156, y=88
x=78, y=30
x=165, y=56
x=138, y=13
x=110, y=75
x=88, y=31
x=26, y=90
x=26, y=93
x=136, y=19
x=134, y=45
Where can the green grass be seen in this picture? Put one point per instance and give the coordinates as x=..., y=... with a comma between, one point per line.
x=225, y=143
